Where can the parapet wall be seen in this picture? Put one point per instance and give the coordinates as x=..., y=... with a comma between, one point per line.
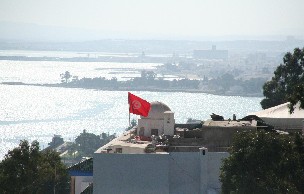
x=209, y=136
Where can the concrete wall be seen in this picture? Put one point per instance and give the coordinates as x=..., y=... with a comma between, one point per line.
x=211, y=136
x=131, y=173
x=184, y=172
x=214, y=163
x=192, y=172
x=210, y=163
x=127, y=149
x=149, y=124
x=173, y=173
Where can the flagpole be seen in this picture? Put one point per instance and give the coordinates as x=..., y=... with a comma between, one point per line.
x=129, y=107
x=129, y=126
x=129, y=113
x=129, y=120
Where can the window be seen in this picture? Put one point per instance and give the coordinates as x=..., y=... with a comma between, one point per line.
x=154, y=132
x=141, y=131
x=118, y=150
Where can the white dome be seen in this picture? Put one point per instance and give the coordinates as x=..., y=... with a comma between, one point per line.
x=157, y=110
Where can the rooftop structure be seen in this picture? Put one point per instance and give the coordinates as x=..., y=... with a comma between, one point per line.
x=159, y=121
x=126, y=143
x=280, y=118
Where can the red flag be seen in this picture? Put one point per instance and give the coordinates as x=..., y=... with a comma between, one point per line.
x=138, y=106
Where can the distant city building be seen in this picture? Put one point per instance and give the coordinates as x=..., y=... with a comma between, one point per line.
x=210, y=54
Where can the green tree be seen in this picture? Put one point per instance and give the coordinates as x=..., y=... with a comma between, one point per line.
x=87, y=143
x=27, y=170
x=226, y=81
x=65, y=77
x=54, y=178
x=151, y=75
x=264, y=162
x=133, y=123
x=287, y=84
x=148, y=75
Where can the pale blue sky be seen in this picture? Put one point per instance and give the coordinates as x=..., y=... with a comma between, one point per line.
x=164, y=17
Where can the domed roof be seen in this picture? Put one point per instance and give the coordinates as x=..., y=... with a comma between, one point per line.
x=157, y=110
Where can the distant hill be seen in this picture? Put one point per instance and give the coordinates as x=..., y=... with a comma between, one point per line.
x=26, y=36
x=32, y=33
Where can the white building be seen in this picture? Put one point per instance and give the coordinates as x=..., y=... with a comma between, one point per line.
x=159, y=121
x=123, y=166
x=161, y=173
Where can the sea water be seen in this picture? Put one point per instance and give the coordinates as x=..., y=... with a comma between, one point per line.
x=37, y=113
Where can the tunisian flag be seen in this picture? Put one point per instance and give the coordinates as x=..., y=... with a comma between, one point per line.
x=138, y=106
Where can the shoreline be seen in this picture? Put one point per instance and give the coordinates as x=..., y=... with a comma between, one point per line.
x=62, y=85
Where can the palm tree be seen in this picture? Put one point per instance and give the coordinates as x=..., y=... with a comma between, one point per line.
x=65, y=77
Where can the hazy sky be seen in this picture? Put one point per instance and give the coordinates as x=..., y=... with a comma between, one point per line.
x=174, y=18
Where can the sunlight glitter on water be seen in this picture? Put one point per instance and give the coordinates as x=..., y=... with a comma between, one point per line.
x=37, y=113
x=29, y=112
x=49, y=71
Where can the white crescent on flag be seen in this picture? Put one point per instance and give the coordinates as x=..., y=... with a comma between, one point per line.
x=136, y=104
